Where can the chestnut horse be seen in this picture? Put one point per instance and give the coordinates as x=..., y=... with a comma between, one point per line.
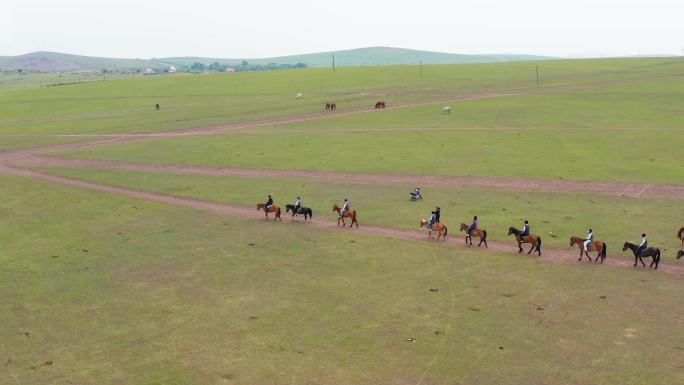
x=274, y=209
x=349, y=214
x=440, y=228
x=330, y=106
x=680, y=235
x=535, y=240
x=597, y=246
x=380, y=104
x=482, y=234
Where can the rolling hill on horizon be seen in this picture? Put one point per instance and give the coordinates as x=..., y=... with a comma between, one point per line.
x=62, y=62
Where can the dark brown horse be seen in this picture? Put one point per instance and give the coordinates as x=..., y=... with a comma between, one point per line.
x=680, y=254
x=680, y=235
x=440, y=228
x=330, y=106
x=598, y=246
x=349, y=214
x=274, y=209
x=380, y=104
x=648, y=252
x=532, y=239
x=482, y=234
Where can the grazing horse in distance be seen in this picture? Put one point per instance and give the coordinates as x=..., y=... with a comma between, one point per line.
x=307, y=212
x=440, y=228
x=648, y=252
x=330, y=106
x=680, y=235
x=535, y=240
x=446, y=110
x=274, y=209
x=597, y=246
x=380, y=104
x=480, y=233
x=349, y=214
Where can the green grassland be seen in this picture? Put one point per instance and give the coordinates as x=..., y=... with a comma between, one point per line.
x=108, y=290
x=195, y=100
x=626, y=155
x=554, y=216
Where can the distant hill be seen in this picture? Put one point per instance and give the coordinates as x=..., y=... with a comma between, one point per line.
x=61, y=62
x=361, y=57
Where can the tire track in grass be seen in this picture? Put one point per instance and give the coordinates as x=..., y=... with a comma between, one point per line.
x=633, y=190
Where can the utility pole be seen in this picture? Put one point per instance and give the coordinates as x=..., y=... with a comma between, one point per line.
x=333, y=61
x=421, y=68
x=537, y=68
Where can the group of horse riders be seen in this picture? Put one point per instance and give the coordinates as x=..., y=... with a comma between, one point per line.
x=436, y=214
x=299, y=202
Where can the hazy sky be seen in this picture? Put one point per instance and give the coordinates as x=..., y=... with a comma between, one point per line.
x=262, y=28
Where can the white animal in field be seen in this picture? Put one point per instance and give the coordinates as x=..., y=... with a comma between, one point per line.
x=299, y=95
x=446, y=110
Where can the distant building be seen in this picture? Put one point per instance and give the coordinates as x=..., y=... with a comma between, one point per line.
x=149, y=71
x=172, y=69
x=230, y=69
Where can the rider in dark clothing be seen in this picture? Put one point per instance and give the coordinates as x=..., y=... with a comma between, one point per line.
x=437, y=214
x=473, y=226
x=525, y=231
x=269, y=202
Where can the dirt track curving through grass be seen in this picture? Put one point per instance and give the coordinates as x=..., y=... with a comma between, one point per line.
x=548, y=254
x=633, y=190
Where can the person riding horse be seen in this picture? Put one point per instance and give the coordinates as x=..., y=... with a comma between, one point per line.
x=525, y=231
x=589, y=239
x=433, y=220
x=298, y=205
x=472, y=227
x=438, y=213
x=345, y=207
x=269, y=202
x=643, y=245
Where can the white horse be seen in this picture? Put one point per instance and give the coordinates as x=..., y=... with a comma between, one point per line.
x=446, y=110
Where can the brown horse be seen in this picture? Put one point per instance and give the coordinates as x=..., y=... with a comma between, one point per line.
x=330, y=106
x=274, y=209
x=534, y=240
x=380, y=104
x=349, y=214
x=440, y=228
x=680, y=235
x=482, y=234
x=598, y=246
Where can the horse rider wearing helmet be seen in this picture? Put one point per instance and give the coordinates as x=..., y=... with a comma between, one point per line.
x=269, y=202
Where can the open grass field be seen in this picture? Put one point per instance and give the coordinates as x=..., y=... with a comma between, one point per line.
x=107, y=290
x=150, y=273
